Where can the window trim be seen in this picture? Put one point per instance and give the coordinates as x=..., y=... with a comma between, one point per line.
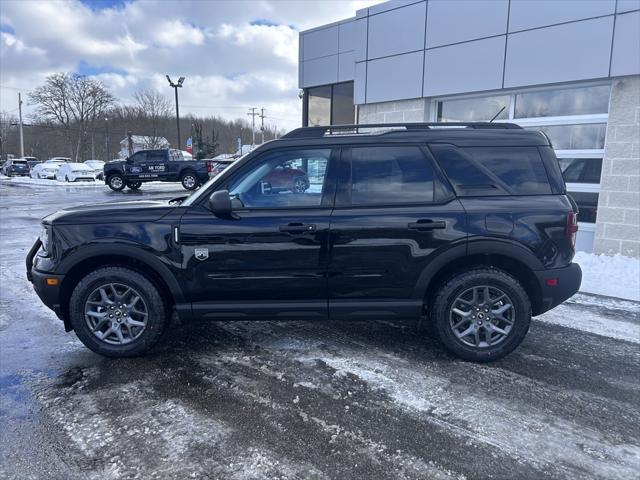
x=328, y=198
x=343, y=190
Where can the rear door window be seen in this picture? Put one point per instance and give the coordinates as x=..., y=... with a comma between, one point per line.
x=493, y=170
x=390, y=175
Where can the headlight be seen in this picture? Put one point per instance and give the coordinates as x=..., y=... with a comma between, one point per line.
x=44, y=239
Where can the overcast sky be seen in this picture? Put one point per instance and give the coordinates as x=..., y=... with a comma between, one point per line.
x=234, y=54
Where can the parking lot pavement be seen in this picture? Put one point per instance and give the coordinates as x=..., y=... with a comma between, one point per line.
x=308, y=400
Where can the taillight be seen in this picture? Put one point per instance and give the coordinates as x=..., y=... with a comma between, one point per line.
x=571, y=230
x=208, y=167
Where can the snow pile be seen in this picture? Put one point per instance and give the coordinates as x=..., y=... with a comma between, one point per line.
x=616, y=276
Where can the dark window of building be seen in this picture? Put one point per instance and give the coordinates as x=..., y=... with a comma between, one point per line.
x=563, y=101
x=330, y=105
x=474, y=109
x=587, y=206
x=390, y=175
x=319, y=99
x=588, y=136
x=342, y=109
x=581, y=170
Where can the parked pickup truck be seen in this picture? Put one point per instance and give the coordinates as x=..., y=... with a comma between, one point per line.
x=153, y=166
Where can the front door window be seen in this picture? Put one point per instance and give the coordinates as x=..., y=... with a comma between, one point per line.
x=284, y=179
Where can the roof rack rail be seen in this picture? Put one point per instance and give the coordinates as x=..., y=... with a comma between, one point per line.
x=319, y=132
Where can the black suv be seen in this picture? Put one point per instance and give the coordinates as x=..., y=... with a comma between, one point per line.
x=155, y=166
x=466, y=225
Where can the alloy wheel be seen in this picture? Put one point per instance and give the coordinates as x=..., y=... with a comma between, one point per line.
x=482, y=316
x=116, y=313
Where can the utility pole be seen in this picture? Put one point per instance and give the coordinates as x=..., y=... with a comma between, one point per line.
x=253, y=114
x=21, y=132
x=106, y=140
x=176, y=86
x=262, y=117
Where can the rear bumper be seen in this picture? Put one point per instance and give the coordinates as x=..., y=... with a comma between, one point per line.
x=557, y=285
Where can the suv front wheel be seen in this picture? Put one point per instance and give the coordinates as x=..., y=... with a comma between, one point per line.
x=117, y=312
x=481, y=315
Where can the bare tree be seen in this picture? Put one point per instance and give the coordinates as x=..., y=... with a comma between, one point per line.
x=154, y=108
x=75, y=102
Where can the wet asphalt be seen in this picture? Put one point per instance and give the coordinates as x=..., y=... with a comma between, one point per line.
x=285, y=400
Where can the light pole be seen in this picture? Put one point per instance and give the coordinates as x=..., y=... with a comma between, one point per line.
x=176, y=86
x=106, y=140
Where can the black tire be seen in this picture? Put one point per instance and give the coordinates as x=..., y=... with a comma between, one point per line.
x=189, y=180
x=152, y=302
x=444, y=319
x=134, y=185
x=116, y=182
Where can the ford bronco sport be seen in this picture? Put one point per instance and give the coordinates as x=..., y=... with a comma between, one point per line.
x=465, y=225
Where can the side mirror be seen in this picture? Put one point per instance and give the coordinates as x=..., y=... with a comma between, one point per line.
x=220, y=203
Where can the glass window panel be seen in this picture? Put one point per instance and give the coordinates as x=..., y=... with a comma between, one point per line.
x=342, y=107
x=519, y=168
x=285, y=179
x=581, y=170
x=390, y=175
x=319, y=110
x=587, y=206
x=565, y=101
x=586, y=136
x=473, y=109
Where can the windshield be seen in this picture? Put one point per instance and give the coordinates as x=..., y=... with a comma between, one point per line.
x=80, y=168
x=20, y=162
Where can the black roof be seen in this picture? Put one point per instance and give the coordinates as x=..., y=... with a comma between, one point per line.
x=463, y=134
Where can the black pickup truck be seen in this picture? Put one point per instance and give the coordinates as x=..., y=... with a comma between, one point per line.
x=155, y=166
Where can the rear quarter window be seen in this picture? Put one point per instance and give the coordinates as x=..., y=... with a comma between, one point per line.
x=477, y=171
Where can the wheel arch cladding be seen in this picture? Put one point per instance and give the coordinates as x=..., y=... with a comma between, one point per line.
x=164, y=282
x=520, y=270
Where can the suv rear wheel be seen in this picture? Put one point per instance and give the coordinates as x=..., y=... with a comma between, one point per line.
x=481, y=315
x=117, y=312
x=116, y=182
x=189, y=181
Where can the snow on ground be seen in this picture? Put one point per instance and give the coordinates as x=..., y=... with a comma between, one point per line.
x=98, y=184
x=49, y=183
x=613, y=318
x=614, y=276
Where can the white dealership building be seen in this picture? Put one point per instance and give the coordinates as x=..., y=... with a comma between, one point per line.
x=568, y=67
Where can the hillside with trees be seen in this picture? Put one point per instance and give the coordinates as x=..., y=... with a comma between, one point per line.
x=76, y=116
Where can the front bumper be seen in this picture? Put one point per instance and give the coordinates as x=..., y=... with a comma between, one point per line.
x=557, y=285
x=46, y=289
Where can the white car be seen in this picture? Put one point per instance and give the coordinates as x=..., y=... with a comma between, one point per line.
x=75, y=172
x=98, y=168
x=47, y=169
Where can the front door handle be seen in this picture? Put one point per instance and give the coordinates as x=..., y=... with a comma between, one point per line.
x=423, y=225
x=296, y=227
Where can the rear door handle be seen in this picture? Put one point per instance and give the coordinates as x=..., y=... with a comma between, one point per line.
x=295, y=227
x=424, y=225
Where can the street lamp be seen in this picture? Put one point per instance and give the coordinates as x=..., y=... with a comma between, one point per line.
x=106, y=124
x=175, y=86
